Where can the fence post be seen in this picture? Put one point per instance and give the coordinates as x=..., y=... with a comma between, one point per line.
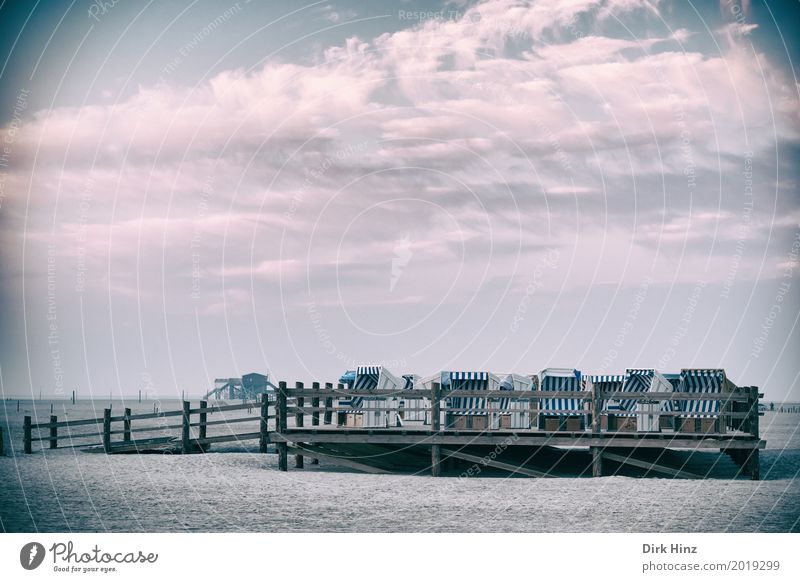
x=328, y=418
x=53, y=432
x=264, y=438
x=107, y=430
x=436, y=451
x=341, y=418
x=597, y=408
x=203, y=418
x=298, y=422
x=280, y=428
x=186, y=444
x=26, y=437
x=126, y=426
x=315, y=414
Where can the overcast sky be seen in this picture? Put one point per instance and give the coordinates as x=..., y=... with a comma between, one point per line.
x=192, y=190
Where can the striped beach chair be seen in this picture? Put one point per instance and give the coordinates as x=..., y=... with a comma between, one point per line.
x=702, y=415
x=563, y=413
x=608, y=383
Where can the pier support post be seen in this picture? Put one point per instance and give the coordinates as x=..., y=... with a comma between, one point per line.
x=597, y=461
x=107, y=430
x=328, y=419
x=53, y=432
x=315, y=414
x=751, y=462
x=436, y=452
x=597, y=408
x=126, y=426
x=298, y=421
x=186, y=445
x=283, y=449
x=263, y=424
x=26, y=435
x=203, y=418
x=752, y=466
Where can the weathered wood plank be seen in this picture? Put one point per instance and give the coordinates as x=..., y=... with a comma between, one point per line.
x=493, y=463
x=337, y=460
x=494, y=438
x=227, y=438
x=650, y=466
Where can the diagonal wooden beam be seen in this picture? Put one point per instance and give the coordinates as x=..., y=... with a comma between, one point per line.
x=492, y=463
x=650, y=466
x=314, y=453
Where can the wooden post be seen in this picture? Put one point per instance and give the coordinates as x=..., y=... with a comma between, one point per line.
x=315, y=414
x=203, y=418
x=53, y=432
x=264, y=438
x=597, y=462
x=126, y=426
x=597, y=407
x=752, y=464
x=2, y=444
x=341, y=419
x=298, y=422
x=186, y=444
x=107, y=430
x=280, y=411
x=328, y=419
x=140, y=396
x=26, y=436
x=73, y=397
x=436, y=452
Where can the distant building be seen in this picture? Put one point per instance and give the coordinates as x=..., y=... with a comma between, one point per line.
x=248, y=387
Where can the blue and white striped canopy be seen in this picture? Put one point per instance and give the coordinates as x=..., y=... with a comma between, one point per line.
x=701, y=381
x=635, y=381
x=568, y=406
x=469, y=381
x=366, y=379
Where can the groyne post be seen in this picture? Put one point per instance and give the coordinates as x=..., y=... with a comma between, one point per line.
x=26, y=435
x=53, y=431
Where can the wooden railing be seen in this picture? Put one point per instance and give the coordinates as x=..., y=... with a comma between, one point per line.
x=105, y=427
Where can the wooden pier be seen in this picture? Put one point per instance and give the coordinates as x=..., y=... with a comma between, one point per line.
x=431, y=446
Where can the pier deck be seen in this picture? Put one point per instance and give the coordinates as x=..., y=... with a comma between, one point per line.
x=437, y=442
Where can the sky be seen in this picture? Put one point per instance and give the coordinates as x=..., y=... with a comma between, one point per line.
x=193, y=190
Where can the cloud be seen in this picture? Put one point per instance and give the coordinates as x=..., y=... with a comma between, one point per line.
x=520, y=125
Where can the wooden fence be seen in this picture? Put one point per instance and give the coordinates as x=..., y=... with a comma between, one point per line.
x=107, y=427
